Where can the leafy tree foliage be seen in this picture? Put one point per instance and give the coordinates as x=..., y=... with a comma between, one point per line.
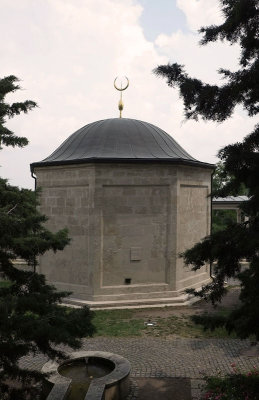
x=222, y=218
x=32, y=319
x=240, y=162
x=220, y=178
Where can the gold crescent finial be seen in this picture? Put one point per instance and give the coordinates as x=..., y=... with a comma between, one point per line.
x=121, y=105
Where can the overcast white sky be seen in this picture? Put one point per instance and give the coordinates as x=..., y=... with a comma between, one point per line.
x=68, y=52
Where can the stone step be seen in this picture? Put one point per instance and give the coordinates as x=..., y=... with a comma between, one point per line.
x=182, y=300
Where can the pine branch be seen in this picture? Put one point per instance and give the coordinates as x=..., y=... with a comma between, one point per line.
x=12, y=209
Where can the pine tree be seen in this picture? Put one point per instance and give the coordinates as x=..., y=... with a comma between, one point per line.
x=240, y=161
x=32, y=319
x=9, y=84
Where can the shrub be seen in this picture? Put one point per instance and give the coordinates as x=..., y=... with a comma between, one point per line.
x=234, y=386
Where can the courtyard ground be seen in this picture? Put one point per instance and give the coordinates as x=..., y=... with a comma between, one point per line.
x=168, y=366
x=166, y=322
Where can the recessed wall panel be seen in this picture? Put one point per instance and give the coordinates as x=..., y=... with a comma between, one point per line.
x=134, y=234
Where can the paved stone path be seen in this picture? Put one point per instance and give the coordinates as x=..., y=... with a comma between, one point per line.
x=163, y=358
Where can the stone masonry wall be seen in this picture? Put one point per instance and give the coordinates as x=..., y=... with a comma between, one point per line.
x=66, y=200
x=128, y=223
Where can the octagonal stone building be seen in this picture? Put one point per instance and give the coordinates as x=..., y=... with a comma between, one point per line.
x=132, y=199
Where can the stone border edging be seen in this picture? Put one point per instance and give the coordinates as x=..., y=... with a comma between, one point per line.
x=114, y=385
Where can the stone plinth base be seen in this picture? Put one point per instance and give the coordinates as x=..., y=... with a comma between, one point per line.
x=177, y=301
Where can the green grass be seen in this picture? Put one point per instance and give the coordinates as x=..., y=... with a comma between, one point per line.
x=184, y=327
x=5, y=284
x=117, y=323
x=126, y=323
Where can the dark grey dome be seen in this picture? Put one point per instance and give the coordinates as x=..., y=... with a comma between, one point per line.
x=119, y=140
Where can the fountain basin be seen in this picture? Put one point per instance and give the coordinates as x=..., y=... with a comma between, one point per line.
x=89, y=375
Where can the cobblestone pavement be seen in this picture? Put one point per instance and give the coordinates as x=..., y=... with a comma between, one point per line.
x=154, y=357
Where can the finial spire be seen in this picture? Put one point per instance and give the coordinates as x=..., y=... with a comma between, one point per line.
x=121, y=105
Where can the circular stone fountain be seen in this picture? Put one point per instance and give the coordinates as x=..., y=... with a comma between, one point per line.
x=89, y=375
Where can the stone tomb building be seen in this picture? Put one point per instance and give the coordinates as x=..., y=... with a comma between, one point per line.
x=132, y=199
